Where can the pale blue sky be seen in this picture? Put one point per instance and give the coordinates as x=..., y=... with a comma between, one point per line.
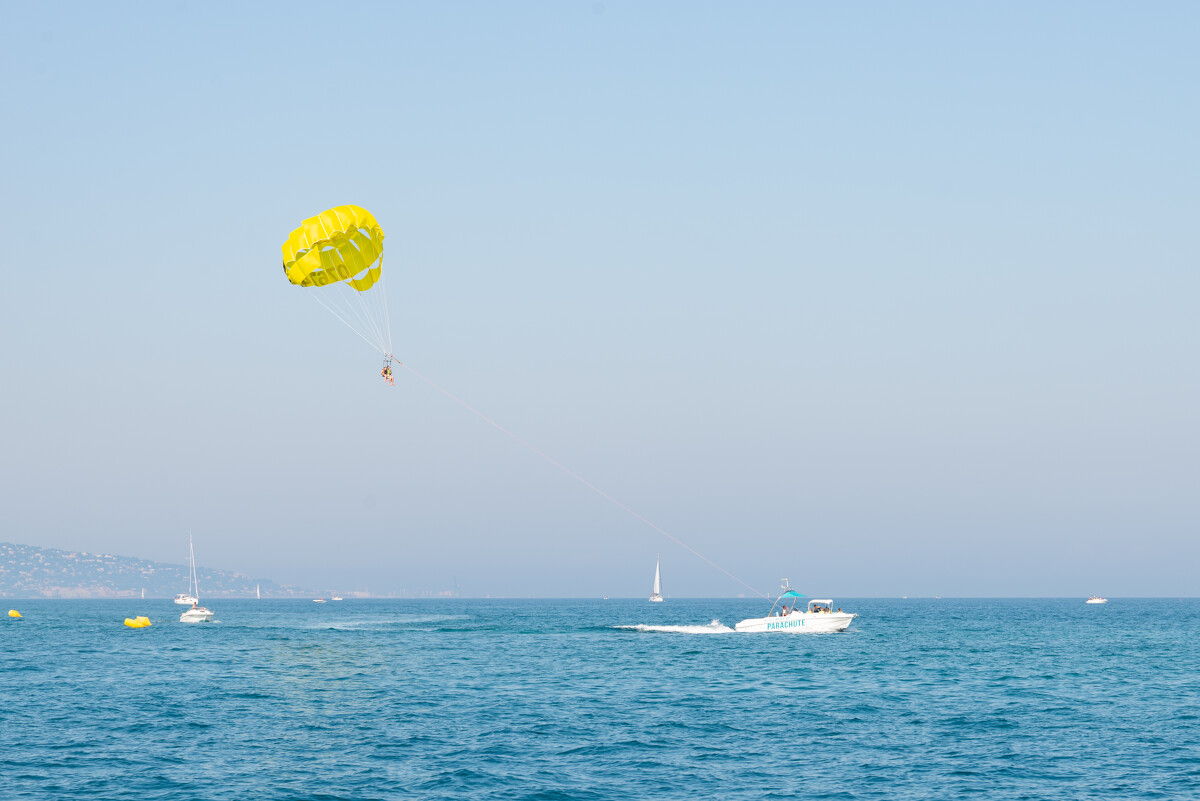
x=888, y=298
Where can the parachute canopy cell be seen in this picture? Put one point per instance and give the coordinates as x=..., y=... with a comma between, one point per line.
x=344, y=243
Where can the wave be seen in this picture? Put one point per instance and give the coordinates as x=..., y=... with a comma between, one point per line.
x=715, y=627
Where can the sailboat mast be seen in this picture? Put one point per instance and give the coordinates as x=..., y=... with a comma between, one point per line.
x=195, y=581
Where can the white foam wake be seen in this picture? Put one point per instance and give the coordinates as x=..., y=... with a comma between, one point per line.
x=715, y=627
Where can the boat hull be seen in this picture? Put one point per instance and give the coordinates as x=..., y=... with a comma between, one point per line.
x=798, y=623
x=196, y=616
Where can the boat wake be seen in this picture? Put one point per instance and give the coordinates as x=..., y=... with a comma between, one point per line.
x=715, y=627
x=397, y=621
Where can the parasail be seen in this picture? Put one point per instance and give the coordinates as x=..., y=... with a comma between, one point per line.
x=338, y=256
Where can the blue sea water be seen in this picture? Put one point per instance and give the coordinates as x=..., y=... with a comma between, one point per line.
x=534, y=699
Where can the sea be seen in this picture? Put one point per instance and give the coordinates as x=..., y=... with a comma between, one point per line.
x=600, y=699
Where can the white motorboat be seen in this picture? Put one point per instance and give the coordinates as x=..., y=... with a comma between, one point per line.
x=335, y=598
x=318, y=600
x=197, y=613
x=186, y=599
x=787, y=616
x=656, y=594
x=1096, y=599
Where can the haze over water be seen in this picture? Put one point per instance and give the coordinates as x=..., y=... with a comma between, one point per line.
x=457, y=699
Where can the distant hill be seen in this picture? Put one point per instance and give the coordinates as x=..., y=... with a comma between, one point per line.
x=30, y=572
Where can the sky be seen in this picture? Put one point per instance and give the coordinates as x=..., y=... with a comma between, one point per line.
x=885, y=298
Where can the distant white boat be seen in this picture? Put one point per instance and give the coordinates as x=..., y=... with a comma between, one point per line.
x=258, y=591
x=197, y=614
x=818, y=617
x=335, y=598
x=656, y=594
x=318, y=600
x=1096, y=599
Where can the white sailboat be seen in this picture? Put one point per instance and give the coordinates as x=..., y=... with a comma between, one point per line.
x=258, y=591
x=656, y=595
x=197, y=614
x=189, y=598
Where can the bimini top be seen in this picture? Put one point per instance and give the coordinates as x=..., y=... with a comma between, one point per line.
x=826, y=601
x=791, y=594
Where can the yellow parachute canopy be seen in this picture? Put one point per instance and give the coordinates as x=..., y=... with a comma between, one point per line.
x=340, y=244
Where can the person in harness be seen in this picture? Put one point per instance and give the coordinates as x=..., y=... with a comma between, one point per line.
x=386, y=372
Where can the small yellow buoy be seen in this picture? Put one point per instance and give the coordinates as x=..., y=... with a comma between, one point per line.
x=139, y=622
x=13, y=613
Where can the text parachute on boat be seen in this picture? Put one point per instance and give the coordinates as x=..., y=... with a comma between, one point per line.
x=338, y=257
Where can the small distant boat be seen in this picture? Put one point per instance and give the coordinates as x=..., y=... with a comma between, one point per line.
x=335, y=598
x=318, y=600
x=819, y=617
x=656, y=594
x=258, y=591
x=1096, y=599
x=197, y=614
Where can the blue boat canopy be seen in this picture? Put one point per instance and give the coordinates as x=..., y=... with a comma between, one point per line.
x=792, y=594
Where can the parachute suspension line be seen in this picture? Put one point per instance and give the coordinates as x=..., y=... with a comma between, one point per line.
x=387, y=320
x=356, y=329
x=340, y=307
x=371, y=319
x=580, y=479
x=334, y=299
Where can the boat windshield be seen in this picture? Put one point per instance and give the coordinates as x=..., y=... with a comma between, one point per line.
x=785, y=604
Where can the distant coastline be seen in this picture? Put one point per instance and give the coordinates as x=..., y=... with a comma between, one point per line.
x=27, y=571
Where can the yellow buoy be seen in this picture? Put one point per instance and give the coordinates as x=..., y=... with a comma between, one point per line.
x=13, y=613
x=139, y=622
